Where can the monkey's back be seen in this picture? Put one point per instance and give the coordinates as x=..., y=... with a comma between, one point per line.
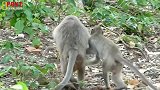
x=71, y=33
x=103, y=45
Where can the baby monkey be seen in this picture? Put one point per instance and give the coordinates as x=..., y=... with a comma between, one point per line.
x=112, y=59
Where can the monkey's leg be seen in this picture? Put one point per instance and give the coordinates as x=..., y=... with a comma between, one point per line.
x=81, y=68
x=81, y=73
x=106, y=75
x=117, y=78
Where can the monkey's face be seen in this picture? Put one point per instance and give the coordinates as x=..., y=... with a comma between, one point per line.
x=93, y=31
x=96, y=29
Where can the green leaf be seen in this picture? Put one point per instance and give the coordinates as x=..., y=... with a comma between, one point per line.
x=24, y=68
x=37, y=15
x=123, y=4
x=54, y=1
x=142, y=2
x=5, y=70
x=8, y=45
x=17, y=87
x=47, y=9
x=43, y=28
x=41, y=69
x=13, y=70
x=18, y=13
x=9, y=14
x=36, y=20
x=35, y=71
x=140, y=27
x=6, y=59
x=29, y=31
x=72, y=2
x=35, y=26
x=23, y=85
x=1, y=84
x=52, y=84
x=1, y=17
x=3, y=14
x=120, y=2
x=33, y=85
x=28, y=14
x=36, y=42
x=42, y=0
x=50, y=66
x=13, y=21
x=45, y=69
x=19, y=26
x=2, y=73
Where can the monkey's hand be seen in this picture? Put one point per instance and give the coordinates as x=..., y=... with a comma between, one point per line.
x=96, y=60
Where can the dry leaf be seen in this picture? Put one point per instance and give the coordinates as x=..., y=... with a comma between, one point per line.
x=32, y=49
x=134, y=82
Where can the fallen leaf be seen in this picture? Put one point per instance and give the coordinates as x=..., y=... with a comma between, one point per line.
x=133, y=82
x=32, y=49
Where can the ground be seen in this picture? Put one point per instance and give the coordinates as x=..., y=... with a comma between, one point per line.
x=93, y=79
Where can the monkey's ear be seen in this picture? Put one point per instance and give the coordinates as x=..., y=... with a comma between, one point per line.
x=97, y=29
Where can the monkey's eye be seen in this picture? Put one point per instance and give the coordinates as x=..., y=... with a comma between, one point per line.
x=92, y=31
x=92, y=28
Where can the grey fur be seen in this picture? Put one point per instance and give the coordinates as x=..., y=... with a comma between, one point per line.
x=112, y=59
x=71, y=38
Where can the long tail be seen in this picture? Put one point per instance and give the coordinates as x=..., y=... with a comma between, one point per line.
x=126, y=62
x=72, y=58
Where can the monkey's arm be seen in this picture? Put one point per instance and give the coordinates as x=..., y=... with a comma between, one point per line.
x=91, y=61
x=96, y=60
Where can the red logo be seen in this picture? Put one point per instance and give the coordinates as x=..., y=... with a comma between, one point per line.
x=11, y=5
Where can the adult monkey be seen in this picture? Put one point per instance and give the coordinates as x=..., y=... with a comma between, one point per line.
x=112, y=59
x=71, y=38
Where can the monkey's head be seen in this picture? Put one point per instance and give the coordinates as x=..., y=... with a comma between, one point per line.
x=97, y=30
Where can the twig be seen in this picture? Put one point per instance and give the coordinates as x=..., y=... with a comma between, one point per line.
x=151, y=53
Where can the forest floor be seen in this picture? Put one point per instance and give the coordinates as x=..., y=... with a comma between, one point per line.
x=93, y=74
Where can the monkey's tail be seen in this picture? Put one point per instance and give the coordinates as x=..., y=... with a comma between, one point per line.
x=126, y=62
x=72, y=59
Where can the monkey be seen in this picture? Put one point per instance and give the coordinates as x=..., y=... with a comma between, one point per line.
x=71, y=38
x=112, y=60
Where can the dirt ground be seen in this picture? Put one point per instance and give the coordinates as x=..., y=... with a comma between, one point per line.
x=93, y=75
